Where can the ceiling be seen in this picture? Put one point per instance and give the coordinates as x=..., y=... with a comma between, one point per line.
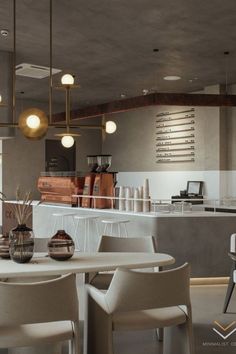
x=108, y=45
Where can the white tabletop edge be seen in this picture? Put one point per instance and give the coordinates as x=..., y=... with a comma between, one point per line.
x=83, y=263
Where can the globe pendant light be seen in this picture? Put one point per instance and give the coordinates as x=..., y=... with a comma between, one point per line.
x=33, y=123
x=67, y=138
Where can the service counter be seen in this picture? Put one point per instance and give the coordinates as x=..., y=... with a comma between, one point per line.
x=199, y=237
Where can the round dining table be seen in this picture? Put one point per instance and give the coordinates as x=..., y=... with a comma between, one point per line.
x=42, y=265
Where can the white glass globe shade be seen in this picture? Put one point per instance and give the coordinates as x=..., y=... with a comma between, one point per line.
x=67, y=79
x=33, y=121
x=110, y=127
x=67, y=141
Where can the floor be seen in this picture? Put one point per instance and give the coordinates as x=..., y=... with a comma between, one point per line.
x=207, y=303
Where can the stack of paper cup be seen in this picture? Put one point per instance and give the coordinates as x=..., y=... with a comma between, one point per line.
x=128, y=202
x=122, y=201
x=140, y=189
x=137, y=203
x=146, y=204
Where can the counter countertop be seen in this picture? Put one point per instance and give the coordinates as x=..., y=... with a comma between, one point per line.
x=194, y=213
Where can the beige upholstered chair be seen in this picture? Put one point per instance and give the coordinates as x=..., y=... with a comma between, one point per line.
x=120, y=244
x=232, y=278
x=140, y=301
x=39, y=313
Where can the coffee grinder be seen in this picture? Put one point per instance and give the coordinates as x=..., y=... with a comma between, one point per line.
x=89, y=181
x=104, y=183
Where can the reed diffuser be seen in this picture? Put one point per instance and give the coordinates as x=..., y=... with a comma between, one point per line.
x=21, y=238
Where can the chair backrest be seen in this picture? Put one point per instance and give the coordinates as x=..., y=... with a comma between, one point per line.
x=41, y=244
x=130, y=290
x=47, y=301
x=233, y=243
x=127, y=244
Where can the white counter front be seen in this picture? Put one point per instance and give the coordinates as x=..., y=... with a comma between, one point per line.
x=199, y=237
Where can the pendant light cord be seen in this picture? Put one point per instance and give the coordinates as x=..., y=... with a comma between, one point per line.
x=50, y=63
x=14, y=66
x=226, y=71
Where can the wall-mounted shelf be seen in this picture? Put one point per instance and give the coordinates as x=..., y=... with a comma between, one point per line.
x=169, y=119
x=175, y=149
x=167, y=139
x=170, y=154
x=169, y=160
x=175, y=125
x=169, y=131
x=172, y=113
x=170, y=143
x=175, y=137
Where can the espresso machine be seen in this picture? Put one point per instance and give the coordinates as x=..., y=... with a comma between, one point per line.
x=104, y=183
x=89, y=180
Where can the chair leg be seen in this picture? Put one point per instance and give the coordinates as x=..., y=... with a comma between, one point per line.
x=160, y=334
x=126, y=232
x=98, y=233
x=98, y=330
x=76, y=236
x=105, y=229
x=179, y=339
x=75, y=340
x=85, y=235
x=230, y=288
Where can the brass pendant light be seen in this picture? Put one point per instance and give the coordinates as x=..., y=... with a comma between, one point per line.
x=67, y=83
x=33, y=123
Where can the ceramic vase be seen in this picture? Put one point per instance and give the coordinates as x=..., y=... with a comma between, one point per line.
x=21, y=244
x=61, y=246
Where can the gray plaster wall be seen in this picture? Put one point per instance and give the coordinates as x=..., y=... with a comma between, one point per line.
x=231, y=133
x=133, y=146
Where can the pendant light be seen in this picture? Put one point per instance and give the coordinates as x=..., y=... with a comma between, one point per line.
x=67, y=83
x=33, y=122
x=110, y=127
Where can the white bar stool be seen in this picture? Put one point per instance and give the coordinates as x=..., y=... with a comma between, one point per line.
x=119, y=224
x=61, y=219
x=88, y=221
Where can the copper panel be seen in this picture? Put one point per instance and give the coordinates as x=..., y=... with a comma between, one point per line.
x=60, y=189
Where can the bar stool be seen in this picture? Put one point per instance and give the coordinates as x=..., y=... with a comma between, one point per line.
x=119, y=224
x=88, y=221
x=59, y=220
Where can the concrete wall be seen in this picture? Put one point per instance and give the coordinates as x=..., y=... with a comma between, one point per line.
x=133, y=147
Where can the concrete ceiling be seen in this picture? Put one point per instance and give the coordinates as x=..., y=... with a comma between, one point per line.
x=108, y=45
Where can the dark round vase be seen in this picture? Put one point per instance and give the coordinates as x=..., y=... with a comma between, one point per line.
x=21, y=242
x=61, y=246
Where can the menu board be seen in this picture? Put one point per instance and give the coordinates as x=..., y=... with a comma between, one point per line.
x=175, y=136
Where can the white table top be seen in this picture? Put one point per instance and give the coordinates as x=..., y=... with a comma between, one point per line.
x=82, y=263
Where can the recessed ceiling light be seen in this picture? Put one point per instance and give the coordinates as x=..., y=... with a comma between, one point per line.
x=4, y=32
x=172, y=78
